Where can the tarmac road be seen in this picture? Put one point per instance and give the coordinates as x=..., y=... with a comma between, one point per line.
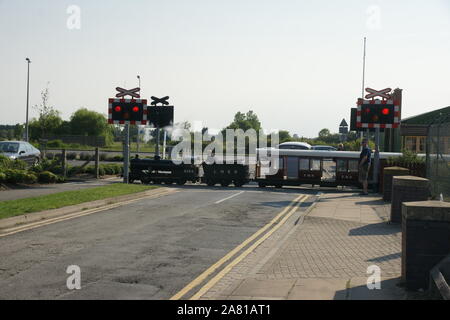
x=149, y=249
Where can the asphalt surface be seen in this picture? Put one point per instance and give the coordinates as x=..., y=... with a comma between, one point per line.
x=149, y=249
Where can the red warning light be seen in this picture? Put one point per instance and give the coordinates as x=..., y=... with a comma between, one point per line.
x=135, y=109
x=385, y=111
x=118, y=109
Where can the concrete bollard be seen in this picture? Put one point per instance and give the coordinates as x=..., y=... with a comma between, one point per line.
x=425, y=240
x=388, y=175
x=406, y=189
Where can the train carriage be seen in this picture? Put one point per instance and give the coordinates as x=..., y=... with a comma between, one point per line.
x=162, y=171
x=225, y=174
x=321, y=168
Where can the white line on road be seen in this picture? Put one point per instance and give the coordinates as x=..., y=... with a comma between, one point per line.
x=234, y=195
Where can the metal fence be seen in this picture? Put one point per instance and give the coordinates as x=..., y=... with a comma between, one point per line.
x=438, y=158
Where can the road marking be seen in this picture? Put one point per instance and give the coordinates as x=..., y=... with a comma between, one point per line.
x=228, y=198
x=244, y=254
x=45, y=222
x=197, y=281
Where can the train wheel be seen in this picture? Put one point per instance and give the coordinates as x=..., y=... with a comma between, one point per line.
x=145, y=180
x=181, y=182
x=238, y=183
x=278, y=186
x=261, y=185
x=210, y=183
x=225, y=183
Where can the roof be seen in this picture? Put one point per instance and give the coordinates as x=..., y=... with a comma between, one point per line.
x=429, y=117
x=295, y=143
x=321, y=154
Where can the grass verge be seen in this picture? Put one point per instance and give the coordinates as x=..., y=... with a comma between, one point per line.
x=12, y=208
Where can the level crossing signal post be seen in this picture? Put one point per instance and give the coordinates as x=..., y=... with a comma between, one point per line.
x=160, y=116
x=376, y=115
x=135, y=111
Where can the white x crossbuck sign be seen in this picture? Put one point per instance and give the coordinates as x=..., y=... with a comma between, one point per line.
x=124, y=92
x=381, y=93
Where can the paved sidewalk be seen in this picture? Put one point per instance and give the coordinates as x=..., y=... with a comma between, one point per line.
x=324, y=257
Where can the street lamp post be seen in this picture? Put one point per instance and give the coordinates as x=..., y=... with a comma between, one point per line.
x=28, y=99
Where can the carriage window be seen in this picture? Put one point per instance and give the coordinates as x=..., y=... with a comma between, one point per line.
x=280, y=163
x=341, y=165
x=353, y=165
x=315, y=164
x=304, y=164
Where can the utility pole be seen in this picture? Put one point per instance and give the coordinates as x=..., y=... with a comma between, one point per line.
x=27, y=137
x=126, y=154
x=138, y=135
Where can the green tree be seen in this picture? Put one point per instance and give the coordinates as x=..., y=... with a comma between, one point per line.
x=324, y=133
x=64, y=128
x=284, y=136
x=49, y=119
x=245, y=121
x=18, y=131
x=90, y=123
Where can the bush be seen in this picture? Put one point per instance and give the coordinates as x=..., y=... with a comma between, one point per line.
x=20, y=176
x=55, y=144
x=117, y=158
x=108, y=170
x=7, y=163
x=54, y=166
x=73, y=170
x=47, y=177
x=408, y=157
x=85, y=156
x=112, y=169
x=2, y=177
x=103, y=156
x=50, y=155
x=75, y=146
x=71, y=156
x=58, y=156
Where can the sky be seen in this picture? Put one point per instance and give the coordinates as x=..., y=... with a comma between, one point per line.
x=297, y=64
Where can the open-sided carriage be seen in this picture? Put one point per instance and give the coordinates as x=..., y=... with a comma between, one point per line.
x=320, y=168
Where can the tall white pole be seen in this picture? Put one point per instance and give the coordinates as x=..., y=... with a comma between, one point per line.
x=27, y=137
x=364, y=70
x=363, y=83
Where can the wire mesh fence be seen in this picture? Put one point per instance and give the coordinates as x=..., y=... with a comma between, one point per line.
x=438, y=158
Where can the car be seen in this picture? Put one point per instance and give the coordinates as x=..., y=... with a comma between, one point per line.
x=324, y=148
x=295, y=146
x=20, y=150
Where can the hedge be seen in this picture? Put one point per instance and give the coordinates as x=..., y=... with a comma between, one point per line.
x=20, y=176
x=47, y=177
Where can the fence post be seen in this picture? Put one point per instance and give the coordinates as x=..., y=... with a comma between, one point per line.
x=64, y=162
x=97, y=163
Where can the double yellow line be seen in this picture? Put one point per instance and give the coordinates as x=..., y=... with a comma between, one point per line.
x=278, y=221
